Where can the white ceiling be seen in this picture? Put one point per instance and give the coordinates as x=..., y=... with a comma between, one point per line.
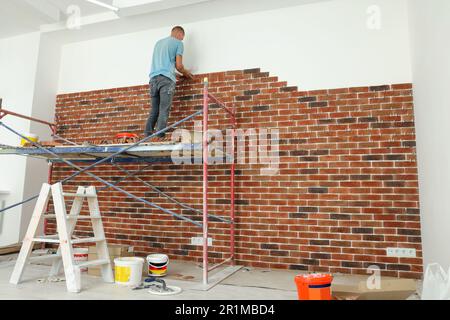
x=23, y=16
x=87, y=8
x=19, y=16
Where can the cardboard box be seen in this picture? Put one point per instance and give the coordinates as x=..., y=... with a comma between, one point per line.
x=356, y=288
x=115, y=251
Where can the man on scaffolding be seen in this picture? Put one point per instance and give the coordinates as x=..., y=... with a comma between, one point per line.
x=167, y=57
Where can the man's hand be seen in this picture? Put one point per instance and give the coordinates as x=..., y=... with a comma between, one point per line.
x=189, y=75
x=180, y=68
x=182, y=77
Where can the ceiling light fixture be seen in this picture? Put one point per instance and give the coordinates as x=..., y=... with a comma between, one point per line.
x=104, y=5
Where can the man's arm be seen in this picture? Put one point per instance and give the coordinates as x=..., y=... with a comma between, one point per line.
x=180, y=68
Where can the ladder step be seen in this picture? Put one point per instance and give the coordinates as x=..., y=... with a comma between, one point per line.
x=86, y=240
x=45, y=257
x=55, y=239
x=47, y=239
x=79, y=195
x=92, y=263
x=68, y=217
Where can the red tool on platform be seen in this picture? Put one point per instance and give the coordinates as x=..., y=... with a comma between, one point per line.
x=126, y=137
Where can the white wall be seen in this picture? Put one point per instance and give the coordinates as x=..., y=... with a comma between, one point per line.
x=31, y=65
x=18, y=61
x=323, y=45
x=430, y=29
x=44, y=100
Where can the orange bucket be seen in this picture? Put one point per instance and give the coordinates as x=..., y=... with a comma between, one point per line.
x=314, y=286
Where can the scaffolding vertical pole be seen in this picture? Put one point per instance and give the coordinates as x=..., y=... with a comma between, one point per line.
x=205, y=181
x=49, y=181
x=50, y=177
x=232, y=189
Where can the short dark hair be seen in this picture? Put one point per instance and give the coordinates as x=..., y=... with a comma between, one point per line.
x=178, y=28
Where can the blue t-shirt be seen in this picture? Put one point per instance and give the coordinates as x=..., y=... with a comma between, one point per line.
x=164, y=57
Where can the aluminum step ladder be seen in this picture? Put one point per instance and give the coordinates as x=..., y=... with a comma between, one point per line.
x=65, y=228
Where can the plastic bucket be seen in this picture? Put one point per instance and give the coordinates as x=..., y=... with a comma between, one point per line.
x=31, y=137
x=314, y=286
x=157, y=265
x=81, y=255
x=128, y=271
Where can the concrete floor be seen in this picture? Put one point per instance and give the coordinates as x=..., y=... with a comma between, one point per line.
x=246, y=284
x=94, y=288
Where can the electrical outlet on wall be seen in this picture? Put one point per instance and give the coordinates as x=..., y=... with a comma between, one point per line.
x=401, y=252
x=198, y=241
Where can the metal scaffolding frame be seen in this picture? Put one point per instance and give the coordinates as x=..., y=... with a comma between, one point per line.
x=123, y=154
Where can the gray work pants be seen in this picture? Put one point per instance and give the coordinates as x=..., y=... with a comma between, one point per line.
x=162, y=90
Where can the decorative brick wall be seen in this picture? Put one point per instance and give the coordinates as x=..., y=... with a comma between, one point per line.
x=347, y=187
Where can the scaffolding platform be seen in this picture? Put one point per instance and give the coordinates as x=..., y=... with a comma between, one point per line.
x=149, y=153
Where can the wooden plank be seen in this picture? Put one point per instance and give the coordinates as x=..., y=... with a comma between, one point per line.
x=10, y=249
x=15, y=248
